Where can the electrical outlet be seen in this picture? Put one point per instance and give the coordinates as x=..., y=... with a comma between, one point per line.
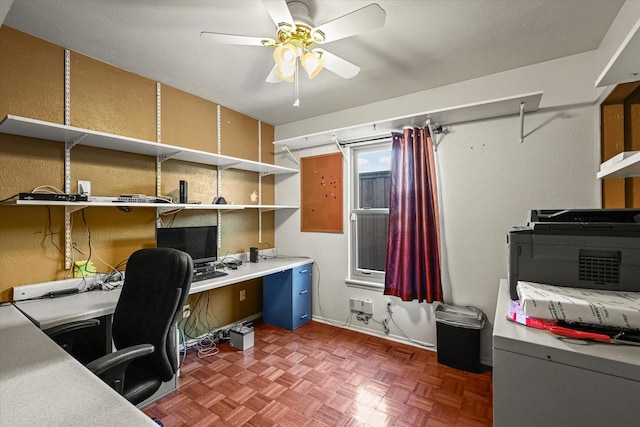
x=243, y=295
x=186, y=311
x=360, y=305
x=84, y=187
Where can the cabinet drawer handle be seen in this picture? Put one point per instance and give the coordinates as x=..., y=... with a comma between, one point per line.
x=304, y=316
x=303, y=271
x=304, y=291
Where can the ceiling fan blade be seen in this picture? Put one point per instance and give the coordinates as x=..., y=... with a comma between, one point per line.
x=272, y=77
x=341, y=67
x=279, y=12
x=236, y=39
x=361, y=20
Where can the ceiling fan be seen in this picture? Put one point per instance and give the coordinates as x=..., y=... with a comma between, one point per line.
x=296, y=38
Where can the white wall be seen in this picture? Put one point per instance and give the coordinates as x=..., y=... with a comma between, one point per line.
x=5, y=5
x=488, y=181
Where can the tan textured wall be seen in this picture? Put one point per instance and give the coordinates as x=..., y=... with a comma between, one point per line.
x=239, y=135
x=112, y=100
x=268, y=182
x=188, y=121
x=31, y=77
x=632, y=143
x=29, y=236
x=108, y=99
x=612, y=117
x=620, y=118
x=224, y=307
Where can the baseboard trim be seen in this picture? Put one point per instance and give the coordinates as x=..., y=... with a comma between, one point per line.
x=394, y=338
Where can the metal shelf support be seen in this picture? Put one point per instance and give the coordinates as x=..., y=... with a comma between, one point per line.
x=522, y=105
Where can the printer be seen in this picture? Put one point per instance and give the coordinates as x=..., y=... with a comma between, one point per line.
x=592, y=248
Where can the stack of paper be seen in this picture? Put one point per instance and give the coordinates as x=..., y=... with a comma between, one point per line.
x=590, y=306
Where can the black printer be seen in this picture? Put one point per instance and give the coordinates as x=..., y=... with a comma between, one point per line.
x=592, y=248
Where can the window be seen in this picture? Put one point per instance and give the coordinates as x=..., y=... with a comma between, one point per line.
x=369, y=212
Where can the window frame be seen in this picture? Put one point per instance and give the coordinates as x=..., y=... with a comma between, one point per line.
x=371, y=279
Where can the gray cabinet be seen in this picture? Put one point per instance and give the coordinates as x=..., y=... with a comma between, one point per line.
x=541, y=380
x=287, y=297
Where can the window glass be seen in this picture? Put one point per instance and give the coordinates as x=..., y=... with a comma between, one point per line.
x=370, y=171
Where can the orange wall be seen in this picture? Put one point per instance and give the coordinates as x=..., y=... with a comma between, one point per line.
x=620, y=118
x=112, y=100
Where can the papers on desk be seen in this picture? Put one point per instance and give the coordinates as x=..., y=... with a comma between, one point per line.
x=589, y=306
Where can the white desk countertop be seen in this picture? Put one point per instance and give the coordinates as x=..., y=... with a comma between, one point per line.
x=50, y=312
x=248, y=271
x=40, y=384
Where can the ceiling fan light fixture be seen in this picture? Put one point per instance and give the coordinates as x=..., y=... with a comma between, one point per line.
x=285, y=55
x=312, y=63
x=285, y=73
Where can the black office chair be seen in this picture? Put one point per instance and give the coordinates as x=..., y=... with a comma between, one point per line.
x=156, y=286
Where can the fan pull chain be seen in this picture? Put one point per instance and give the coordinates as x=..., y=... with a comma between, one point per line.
x=296, y=103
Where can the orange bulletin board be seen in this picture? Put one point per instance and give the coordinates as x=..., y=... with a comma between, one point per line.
x=321, y=193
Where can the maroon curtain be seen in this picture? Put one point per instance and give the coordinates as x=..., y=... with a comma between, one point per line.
x=413, y=256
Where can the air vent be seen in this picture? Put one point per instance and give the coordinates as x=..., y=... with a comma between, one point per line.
x=601, y=267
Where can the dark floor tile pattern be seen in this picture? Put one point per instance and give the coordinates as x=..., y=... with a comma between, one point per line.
x=321, y=375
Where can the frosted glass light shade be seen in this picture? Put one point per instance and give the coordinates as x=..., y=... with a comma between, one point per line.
x=312, y=64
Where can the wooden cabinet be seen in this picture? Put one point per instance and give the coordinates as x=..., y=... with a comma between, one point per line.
x=287, y=297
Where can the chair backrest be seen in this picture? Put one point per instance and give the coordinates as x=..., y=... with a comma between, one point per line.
x=156, y=286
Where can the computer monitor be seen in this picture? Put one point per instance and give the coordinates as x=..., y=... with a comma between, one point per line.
x=200, y=242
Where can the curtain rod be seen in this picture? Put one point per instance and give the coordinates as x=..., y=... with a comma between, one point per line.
x=365, y=140
x=433, y=130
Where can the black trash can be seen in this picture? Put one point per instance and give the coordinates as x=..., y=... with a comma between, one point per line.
x=458, y=332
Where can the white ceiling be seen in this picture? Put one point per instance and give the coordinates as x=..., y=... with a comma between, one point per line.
x=423, y=44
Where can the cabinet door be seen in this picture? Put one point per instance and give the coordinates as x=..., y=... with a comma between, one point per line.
x=277, y=304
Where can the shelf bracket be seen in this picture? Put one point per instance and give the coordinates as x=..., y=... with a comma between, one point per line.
x=163, y=157
x=291, y=156
x=522, y=122
x=75, y=208
x=335, y=140
x=70, y=144
x=227, y=166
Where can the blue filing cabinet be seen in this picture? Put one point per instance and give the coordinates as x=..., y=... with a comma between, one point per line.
x=287, y=297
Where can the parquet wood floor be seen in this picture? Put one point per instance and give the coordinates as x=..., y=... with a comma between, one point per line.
x=321, y=375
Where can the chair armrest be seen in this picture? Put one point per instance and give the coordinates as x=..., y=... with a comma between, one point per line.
x=111, y=367
x=70, y=334
x=71, y=327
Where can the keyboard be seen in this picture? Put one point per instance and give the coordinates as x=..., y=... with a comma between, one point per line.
x=197, y=277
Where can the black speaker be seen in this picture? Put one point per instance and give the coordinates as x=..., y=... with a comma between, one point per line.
x=184, y=191
x=253, y=254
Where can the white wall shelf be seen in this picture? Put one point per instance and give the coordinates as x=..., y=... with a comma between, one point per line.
x=624, y=64
x=32, y=128
x=162, y=207
x=626, y=164
x=266, y=208
x=463, y=113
